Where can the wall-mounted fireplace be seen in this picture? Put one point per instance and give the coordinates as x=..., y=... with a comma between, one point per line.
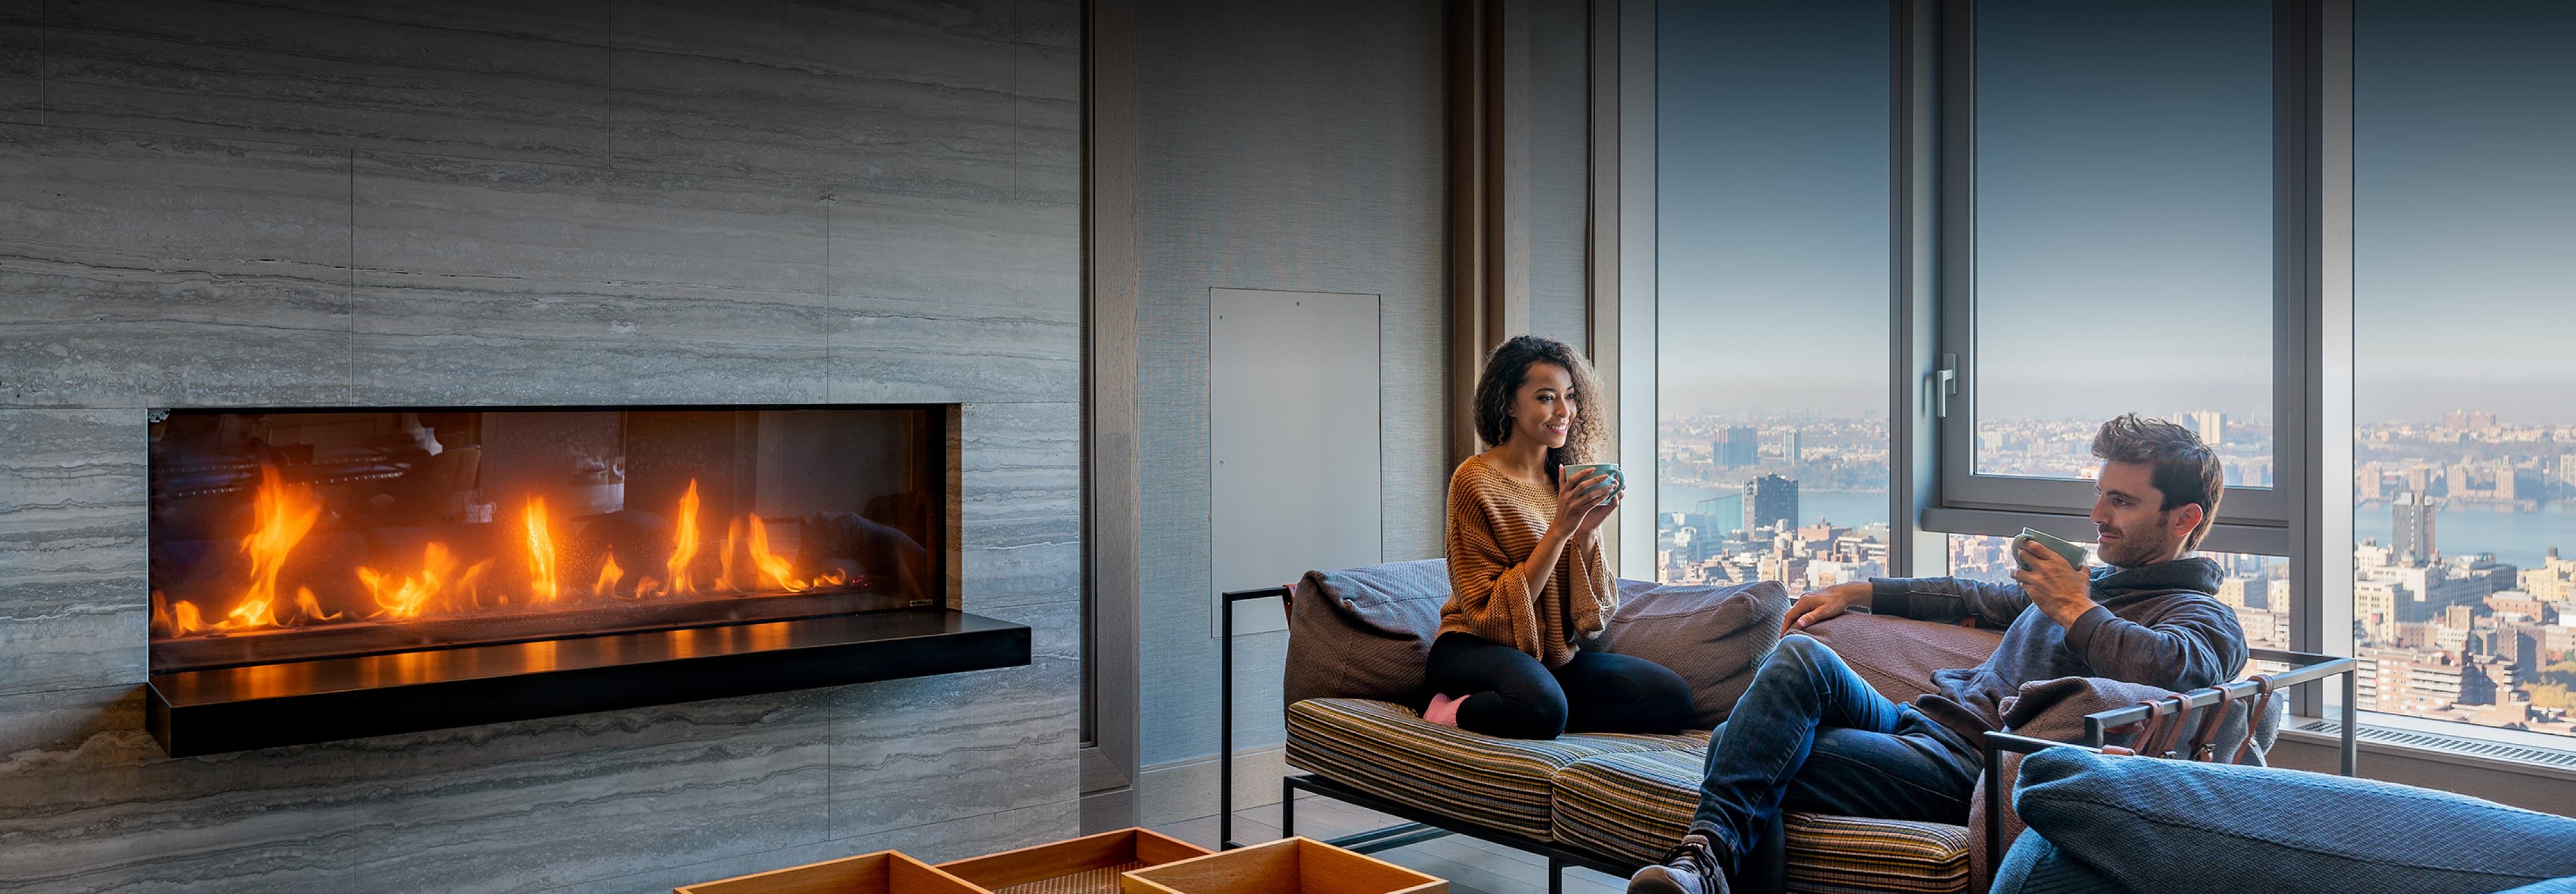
x=320, y=574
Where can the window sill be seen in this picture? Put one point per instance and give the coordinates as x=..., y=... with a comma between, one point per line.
x=2408, y=741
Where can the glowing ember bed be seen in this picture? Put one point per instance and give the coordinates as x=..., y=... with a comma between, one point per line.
x=322, y=574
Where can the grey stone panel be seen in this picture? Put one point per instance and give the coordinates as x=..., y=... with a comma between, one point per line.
x=524, y=80
x=1005, y=254
x=159, y=271
x=88, y=802
x=955, y=300
x=937, y=842
x=1021, y=515
x=72, y=597
x=1050, y=124
x=503, y=282
x=929, y=750
x=22, y=60
x=878, y=94
x=903, y=350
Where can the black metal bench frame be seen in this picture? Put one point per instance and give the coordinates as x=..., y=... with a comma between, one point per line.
x=1421, y=825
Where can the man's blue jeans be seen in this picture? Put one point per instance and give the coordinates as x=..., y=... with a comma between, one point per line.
x=1811, y=736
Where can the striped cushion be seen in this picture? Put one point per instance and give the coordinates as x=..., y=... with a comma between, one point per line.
x=1633, y=806
x=1389, y=750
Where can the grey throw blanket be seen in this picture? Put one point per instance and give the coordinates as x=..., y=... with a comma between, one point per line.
x=2157, y=625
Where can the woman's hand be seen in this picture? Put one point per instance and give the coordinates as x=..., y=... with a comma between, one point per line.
x=1576, y=502
x=1593, y=518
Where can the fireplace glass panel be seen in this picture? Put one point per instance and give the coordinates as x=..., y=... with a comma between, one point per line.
x=291, y=535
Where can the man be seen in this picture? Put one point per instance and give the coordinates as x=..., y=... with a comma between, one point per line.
x=1811, y=735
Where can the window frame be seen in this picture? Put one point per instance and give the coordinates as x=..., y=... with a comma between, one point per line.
x=2254, y=519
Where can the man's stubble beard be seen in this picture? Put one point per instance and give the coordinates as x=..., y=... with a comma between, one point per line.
x=2130, y=551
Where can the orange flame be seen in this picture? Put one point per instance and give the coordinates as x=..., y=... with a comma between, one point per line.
x=185, y=618
x=647, y=586
x=609, y=574
x=541, y=553
x=684, y=541
x=281, y=519
x=773, y=568
x=408, y=597
x=312, y=608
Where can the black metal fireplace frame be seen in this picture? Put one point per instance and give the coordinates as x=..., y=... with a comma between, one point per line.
x=198, y=711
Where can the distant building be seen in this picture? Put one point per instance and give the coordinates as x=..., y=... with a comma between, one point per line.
x=1736, y=446
x=1791, y=448
x=2567, y=468
x=1770, y=500
x=2410, y=529
x=2210, y=425
x=2242, y=593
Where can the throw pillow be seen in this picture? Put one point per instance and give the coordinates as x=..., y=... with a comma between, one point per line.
x=1364, y=632
x=1714, y=636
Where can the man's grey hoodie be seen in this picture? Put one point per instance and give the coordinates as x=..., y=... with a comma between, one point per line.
x=2158, y=625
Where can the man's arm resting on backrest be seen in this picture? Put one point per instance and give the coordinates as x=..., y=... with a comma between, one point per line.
x=1947, y=599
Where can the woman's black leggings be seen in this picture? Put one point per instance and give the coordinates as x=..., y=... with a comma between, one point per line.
x=1512, y=695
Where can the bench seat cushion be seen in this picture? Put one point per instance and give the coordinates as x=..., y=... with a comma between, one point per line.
x=1389, y=750
x=1635, y=805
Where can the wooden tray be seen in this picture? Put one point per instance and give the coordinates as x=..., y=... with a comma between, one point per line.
x=883, y=872
x=1086, y=865
x=1285, y=866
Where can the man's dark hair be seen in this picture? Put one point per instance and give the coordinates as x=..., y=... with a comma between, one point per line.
x=2185, y=469
x=1505, y=371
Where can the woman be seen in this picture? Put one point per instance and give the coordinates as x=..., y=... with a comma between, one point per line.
x=1526, y=571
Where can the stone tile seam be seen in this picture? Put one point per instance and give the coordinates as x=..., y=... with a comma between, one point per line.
x=779, y=850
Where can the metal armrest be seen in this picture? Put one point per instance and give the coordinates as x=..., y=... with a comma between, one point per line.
x=2305, y=668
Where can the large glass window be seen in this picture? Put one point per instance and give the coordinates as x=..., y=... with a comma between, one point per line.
x=2464, y=208
x=2122, y=246
x=1772, y=285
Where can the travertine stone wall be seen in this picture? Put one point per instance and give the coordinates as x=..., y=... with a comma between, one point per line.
x=312, y=203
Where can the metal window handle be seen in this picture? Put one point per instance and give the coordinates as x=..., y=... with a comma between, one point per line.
x=1947, y=382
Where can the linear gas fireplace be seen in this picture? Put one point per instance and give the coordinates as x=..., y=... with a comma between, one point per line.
x=324, y=574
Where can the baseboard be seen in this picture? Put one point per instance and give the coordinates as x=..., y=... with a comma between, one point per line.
x=1186, y=789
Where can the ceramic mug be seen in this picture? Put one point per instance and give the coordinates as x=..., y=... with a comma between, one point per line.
x=2074, y=554
x=1614, y=480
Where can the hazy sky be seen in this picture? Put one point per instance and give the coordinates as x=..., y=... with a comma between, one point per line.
x=1772, y=179
x=2464, y=182
x=2124, y=204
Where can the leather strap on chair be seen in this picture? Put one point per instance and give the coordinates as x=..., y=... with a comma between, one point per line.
x=2204, y=740
x=2169, y=734
x=2145, y=729
x=2254, y=718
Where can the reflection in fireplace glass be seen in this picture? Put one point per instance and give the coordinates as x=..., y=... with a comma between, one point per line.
x=287, y=535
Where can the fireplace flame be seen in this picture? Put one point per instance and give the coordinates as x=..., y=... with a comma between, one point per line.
x=684, y=541
x=443, y=582
x=541, y=553
x=609, y=574
x=312, y=608
x=281, y=516
x=773, y=568
x=408, y=596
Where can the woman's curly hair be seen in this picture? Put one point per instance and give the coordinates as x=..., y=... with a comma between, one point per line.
x=1507, y=368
